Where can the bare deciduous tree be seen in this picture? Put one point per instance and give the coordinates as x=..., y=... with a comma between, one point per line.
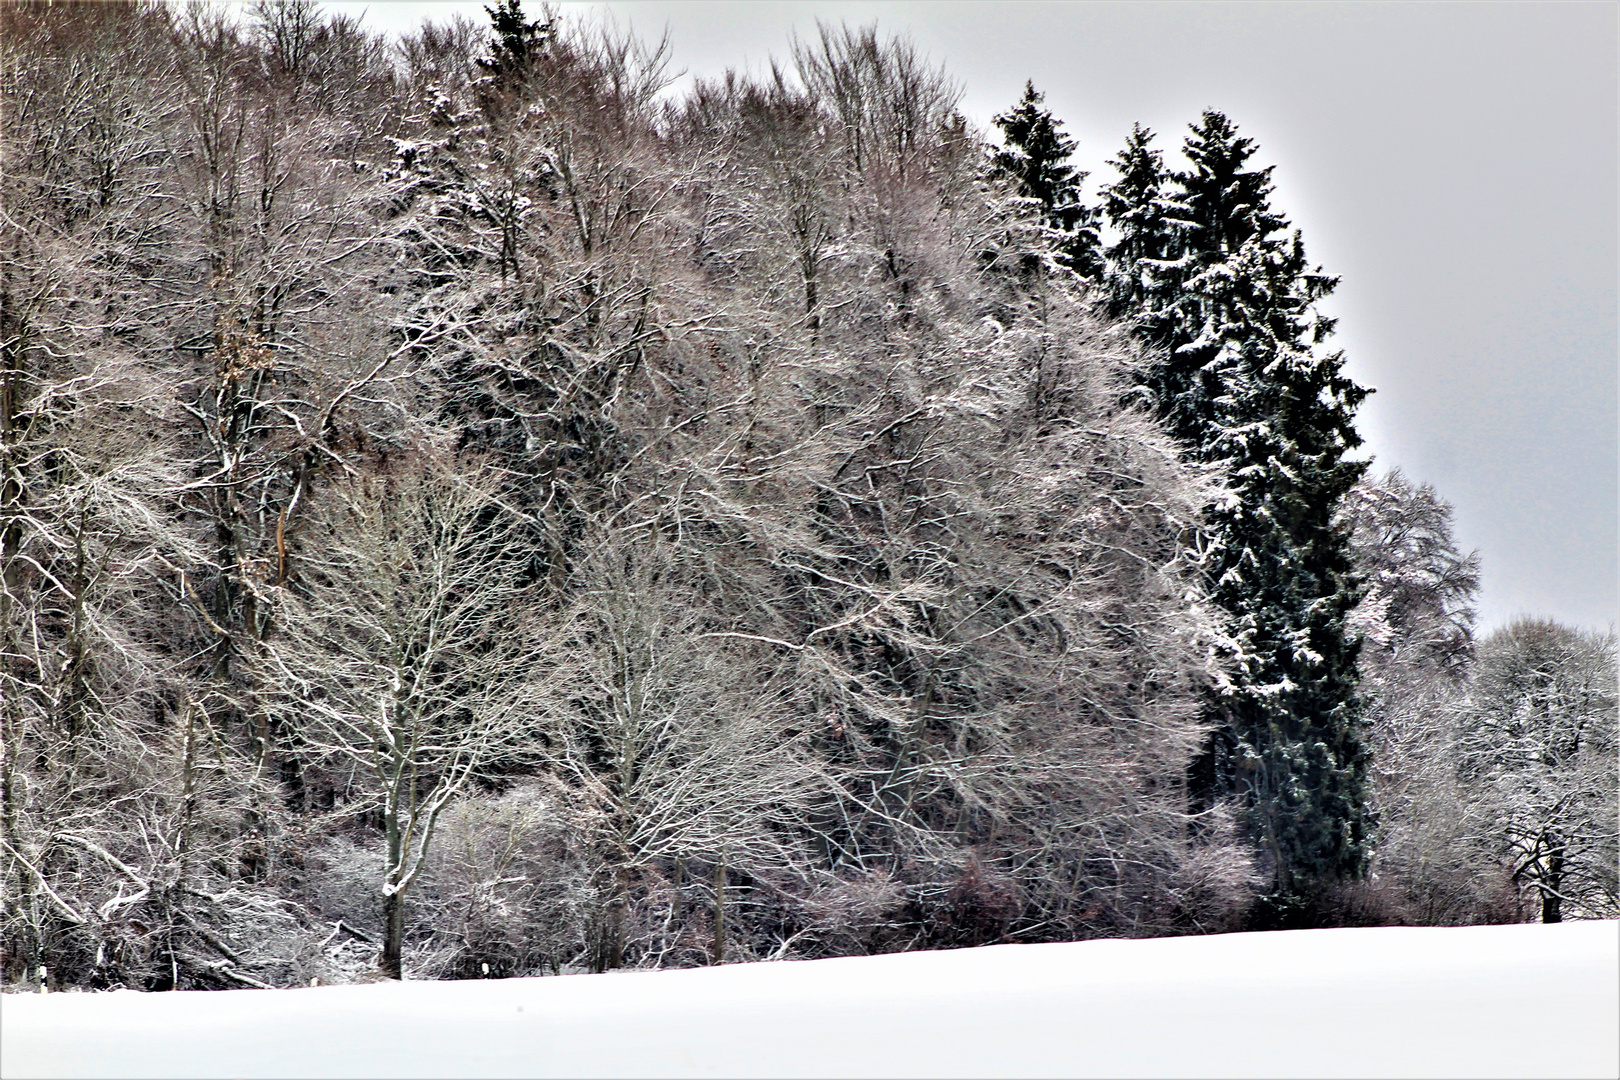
x=681, y=734
x=1417, y=624
x=406, y=652
x=1538, y=741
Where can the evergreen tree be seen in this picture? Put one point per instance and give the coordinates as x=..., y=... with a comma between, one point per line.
x=1139, y=209
x=1243, y=385
x=513, y=40
x=1035, y=153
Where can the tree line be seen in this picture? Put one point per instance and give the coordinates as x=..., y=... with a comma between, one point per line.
x=469, y=512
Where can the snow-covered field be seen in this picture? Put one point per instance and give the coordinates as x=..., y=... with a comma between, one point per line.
x=1541, y=1001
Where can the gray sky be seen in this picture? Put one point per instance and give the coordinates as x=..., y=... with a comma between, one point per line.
x=1455, y=163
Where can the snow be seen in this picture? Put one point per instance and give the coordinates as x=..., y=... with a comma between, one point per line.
x=1474, y=1001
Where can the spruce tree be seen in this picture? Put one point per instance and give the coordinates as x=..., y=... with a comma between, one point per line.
x=1245, y=386
x=1139, y=209
x=513, y=40
x=1036, y=153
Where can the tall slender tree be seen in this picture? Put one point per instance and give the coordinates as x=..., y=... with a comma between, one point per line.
x=1036, y=153
x=1434, y=857
x=1244, y=385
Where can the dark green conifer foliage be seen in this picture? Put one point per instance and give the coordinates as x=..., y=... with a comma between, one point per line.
x=514, y=40
x=1139, y=208
x=1244, y=386
x=1036, y=151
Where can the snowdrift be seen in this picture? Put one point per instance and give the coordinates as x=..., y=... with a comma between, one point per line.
x=1477, y=1001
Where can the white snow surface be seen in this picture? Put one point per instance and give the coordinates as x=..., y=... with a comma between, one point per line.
x=1486, y=1001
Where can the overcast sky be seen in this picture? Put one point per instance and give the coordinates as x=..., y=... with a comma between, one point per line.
x=1455, y=163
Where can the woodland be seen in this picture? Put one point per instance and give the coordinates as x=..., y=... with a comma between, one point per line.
x=469, y=510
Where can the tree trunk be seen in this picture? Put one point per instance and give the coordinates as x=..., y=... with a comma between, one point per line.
x=616, y=925
x=393, y=935
x=1551, y=902
x=394, y=899
x=719, y=953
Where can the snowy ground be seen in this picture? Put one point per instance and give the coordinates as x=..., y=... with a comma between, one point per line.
x=1539, y=1001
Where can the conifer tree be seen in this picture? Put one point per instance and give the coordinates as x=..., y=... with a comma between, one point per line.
x=1036, y=153
x=1243, y=385
x=1139, y=209
x=513, y=39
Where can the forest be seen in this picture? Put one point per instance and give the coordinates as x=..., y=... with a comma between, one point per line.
x=469, y=510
